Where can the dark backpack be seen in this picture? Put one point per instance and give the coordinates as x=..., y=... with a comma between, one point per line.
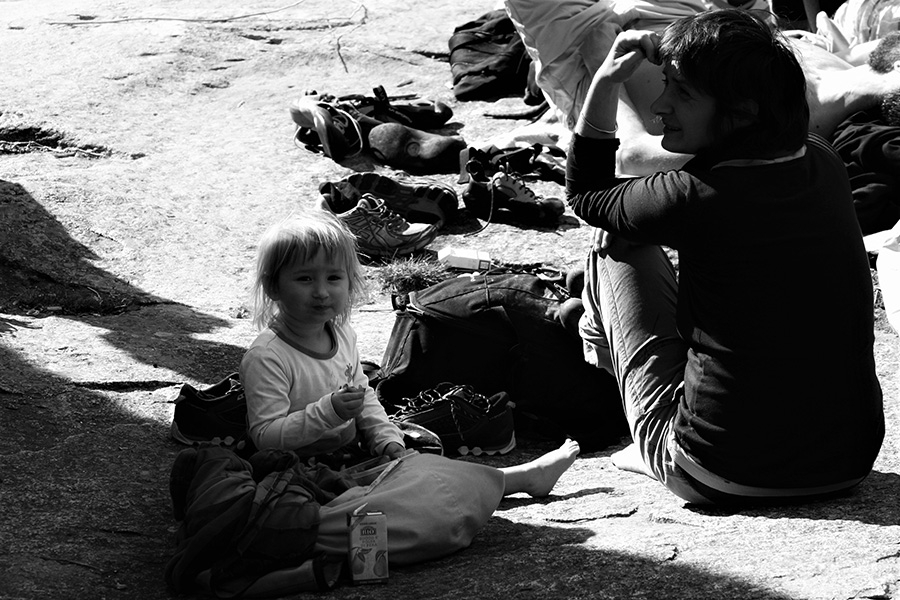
x=501, y=332
x=488, y=59
x=245, y=533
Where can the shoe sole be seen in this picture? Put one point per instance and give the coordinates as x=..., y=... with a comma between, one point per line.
x=382, y=252
x=478, y=451
x=417, y=202
x=226, y=442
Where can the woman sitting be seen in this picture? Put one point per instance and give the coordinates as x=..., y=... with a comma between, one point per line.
x=750, y=375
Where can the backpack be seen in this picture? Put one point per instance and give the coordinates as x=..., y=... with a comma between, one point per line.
x=502, y=332
x=488, y=59
x=244, y=535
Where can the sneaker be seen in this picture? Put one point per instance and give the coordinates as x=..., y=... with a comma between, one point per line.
x=505, y=197
x=466, y=422
x=213, y=415
x=379, y=231
x=418, y=200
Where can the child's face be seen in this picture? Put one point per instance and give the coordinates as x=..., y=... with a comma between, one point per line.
x=314, y=292
x=688, y=115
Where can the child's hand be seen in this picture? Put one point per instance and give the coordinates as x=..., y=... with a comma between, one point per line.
x=348, y=401
x=394, y=450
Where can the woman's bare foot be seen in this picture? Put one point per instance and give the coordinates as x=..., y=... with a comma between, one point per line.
x=538, y=477
x=630, y=459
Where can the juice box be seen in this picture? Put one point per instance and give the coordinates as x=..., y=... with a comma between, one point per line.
x=465, y=258
x=367, y=546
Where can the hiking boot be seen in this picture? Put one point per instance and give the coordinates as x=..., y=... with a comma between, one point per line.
x=506, y=198
x=422, y=114
x=379, y=231
x=415, y=151
x=536, y=160
x=417, y=200
x=214, y=415
x=466, y=422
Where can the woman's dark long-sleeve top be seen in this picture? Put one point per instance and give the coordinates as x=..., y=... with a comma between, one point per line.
x=775, y=301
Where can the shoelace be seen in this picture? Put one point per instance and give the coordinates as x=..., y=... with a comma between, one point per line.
x=393, y=221
x=424, y=400
x=517, y=183
x=479, y=402
x=465, y=393
x=343, y=124
x=491, y=188
x=381, y=213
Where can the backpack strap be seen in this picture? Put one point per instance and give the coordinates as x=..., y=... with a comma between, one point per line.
x=263, y=503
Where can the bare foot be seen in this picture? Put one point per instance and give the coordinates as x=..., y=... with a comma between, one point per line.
x=538, y=477
x=630, y=459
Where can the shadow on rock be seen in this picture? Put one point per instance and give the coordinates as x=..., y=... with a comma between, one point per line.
x=83, y=489
x=515, y=560
x=41, y=410
x=46, y=269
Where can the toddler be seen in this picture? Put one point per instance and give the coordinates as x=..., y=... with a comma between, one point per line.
x=305, y=387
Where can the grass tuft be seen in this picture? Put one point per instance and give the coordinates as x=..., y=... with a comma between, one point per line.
x=411, y=274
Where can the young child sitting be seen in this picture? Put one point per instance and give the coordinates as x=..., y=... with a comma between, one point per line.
x=306, y=391
x=307, y=394
x=305, y=387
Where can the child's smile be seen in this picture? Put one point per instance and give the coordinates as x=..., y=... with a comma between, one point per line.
x=312, y=293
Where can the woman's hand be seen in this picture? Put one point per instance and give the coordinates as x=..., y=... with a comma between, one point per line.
x=348, y=402
x=628, y=51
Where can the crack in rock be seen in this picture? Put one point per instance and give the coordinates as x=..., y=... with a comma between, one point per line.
x=19, y=140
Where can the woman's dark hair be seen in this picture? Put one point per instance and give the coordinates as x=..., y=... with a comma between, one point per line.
x=734, y=56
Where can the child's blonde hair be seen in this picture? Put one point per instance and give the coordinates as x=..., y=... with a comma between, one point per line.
x=299, y=238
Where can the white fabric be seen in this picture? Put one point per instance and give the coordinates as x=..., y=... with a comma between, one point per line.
x=569, y=39
x=434, y=506
x=864, y=20
x=289, y=396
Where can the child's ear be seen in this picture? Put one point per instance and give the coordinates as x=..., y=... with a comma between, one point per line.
x=273, y=293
